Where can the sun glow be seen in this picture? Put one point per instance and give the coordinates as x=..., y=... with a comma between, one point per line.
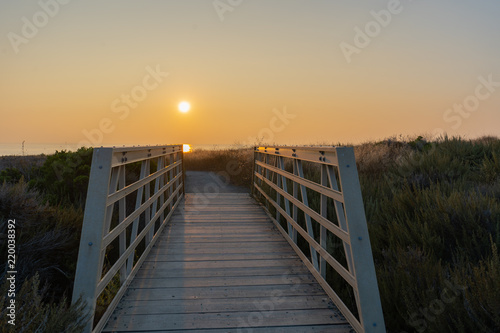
x=184, y=107
x=186, y=148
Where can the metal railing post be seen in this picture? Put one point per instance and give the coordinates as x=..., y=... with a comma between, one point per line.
x=89, y=255
x=183, y=172
x=371, y=316
x=252, y=178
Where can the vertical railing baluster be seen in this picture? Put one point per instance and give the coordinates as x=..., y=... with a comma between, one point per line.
x=135, y=224
x=278, y=183
x=260, y=171
x=122, y=212
x=305, y=201
x=340, y=213
x=252, y=178
x=171, y=176
x=175, y=173
x=266, y=160
x=162, y=183
x=159, y=167
x=183, y=168
x=324, y=213
x=295, y=212
x=113, y=183
x=147, y=195
x=286, y=201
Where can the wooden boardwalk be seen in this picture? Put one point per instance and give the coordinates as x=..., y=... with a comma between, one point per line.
x=221, y=266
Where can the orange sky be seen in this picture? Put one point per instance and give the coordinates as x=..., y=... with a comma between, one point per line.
x=241, y=67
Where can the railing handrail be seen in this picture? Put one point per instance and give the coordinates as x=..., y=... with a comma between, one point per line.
x=269, y=169
x=107, y=188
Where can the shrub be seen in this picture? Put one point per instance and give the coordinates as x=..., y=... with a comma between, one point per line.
x=47, y=237
x=10, y=175
x=35, y=314
x=64, y=177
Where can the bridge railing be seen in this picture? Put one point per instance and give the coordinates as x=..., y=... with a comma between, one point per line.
x=313, y=196
x=132, y=193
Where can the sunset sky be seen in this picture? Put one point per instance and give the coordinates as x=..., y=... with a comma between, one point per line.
x=287, y=71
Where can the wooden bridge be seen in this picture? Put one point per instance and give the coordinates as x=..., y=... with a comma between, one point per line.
x=155, y=259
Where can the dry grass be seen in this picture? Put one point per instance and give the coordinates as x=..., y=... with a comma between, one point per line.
x=27, y=165
x=237, y=163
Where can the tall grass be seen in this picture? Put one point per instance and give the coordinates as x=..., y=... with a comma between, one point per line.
x=434, y=216
x=235, y=163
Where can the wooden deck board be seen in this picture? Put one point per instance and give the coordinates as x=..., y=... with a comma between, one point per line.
x=262, y=280
x=223, y=272
x=221, y=266
x=274, y=329
x=222, y=256
x=250, y=247
x=220, y=305
x=229, y=320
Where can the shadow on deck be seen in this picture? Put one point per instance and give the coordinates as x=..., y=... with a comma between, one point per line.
x=220, y=265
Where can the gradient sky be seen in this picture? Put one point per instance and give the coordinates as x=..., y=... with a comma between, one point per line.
x=239, y=63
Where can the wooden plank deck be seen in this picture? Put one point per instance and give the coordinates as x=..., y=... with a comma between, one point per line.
x=221, y=266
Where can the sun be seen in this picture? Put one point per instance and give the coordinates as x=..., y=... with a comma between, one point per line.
x=184, y=107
